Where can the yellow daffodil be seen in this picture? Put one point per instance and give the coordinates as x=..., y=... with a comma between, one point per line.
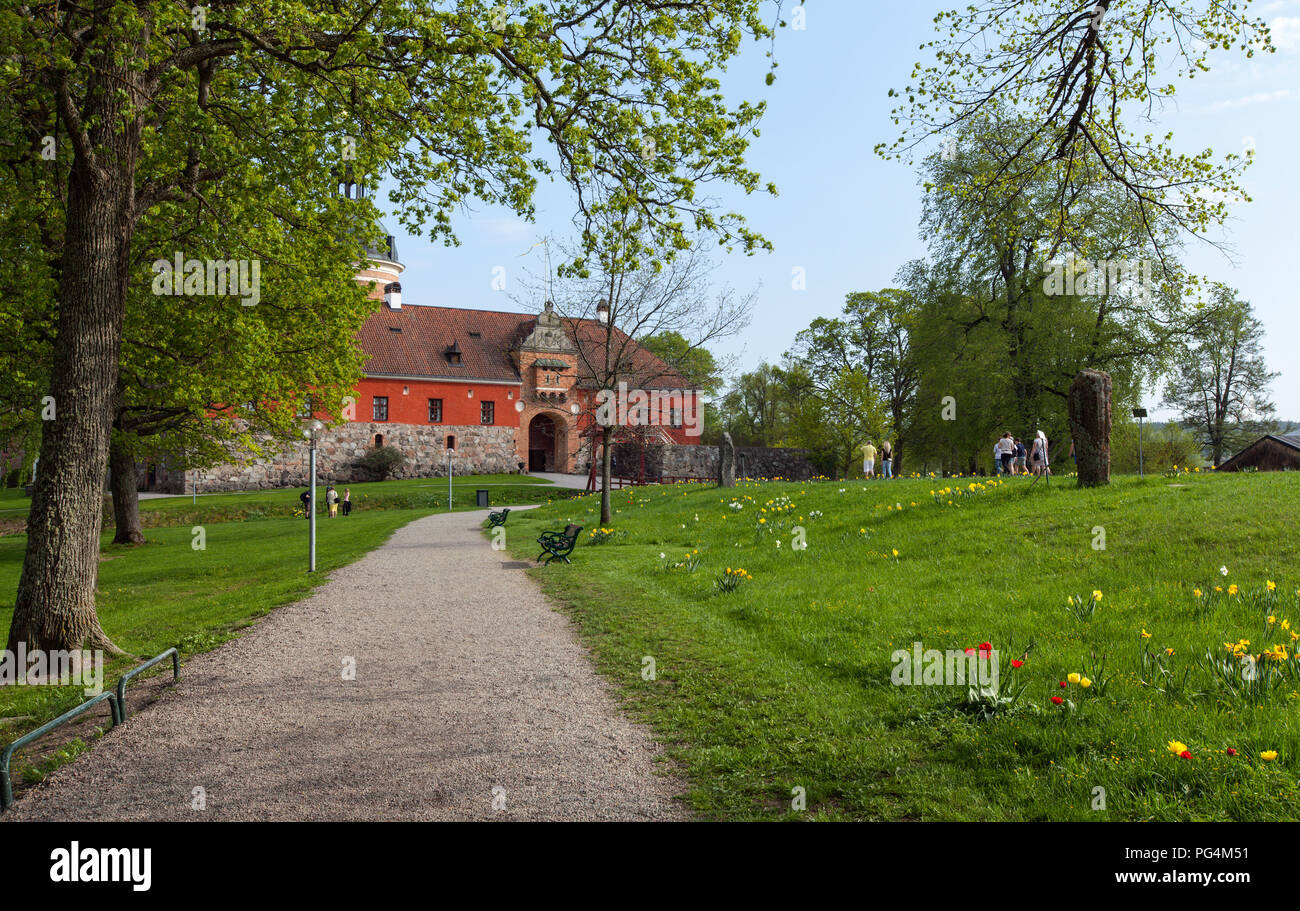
x=1145, y=634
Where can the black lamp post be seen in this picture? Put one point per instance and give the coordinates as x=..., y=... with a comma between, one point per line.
x=1140, y=413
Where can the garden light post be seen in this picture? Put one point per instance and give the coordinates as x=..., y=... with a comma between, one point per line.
x=451, y=451
x=1140, y=413
x=310, y=434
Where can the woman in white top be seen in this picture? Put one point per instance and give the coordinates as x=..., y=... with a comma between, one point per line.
x=1038, y=454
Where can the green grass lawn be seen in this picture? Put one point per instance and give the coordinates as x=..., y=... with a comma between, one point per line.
x=410, y=491
x=786, y=682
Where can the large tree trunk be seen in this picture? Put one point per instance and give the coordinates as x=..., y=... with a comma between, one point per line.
x=55, y=604
x=606, y=438
x=1090, y=416
x=126, y=495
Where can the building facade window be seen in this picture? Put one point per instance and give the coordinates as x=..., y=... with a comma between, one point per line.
x=435, y=411
x=487, y=412
x=380, y=408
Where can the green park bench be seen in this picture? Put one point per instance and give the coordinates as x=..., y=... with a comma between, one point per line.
x=497, y=518
x=559, y=544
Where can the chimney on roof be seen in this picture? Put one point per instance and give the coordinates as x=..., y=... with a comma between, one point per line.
x=393, y=296
x=602, y=311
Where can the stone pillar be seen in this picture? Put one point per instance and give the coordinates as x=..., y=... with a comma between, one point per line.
x=1090, y=405
x=727, y=462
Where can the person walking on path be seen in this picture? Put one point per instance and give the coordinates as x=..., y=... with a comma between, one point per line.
x=347, y=501
x=886, y=460
x=332, y=501
x=305, y=499
x=1021, y=454
x=868, y=460
x=1006, y=450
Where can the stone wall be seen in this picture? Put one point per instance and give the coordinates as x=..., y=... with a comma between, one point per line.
x=690, y=462
x=765, y=462
x=479, y=450
x=702, y=462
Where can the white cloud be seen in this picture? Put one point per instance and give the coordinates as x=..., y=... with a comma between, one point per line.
x=1286, y=33
x=1258, y=98
x=506, y=227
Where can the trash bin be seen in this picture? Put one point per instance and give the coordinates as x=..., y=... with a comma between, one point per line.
x=481, y=498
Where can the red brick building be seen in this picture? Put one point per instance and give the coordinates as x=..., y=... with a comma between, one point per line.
x=502, y=390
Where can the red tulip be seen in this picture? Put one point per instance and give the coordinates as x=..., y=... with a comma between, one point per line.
x=1057, y=700
x=1016, y=662
x=1231, y=751
x=1185, y=754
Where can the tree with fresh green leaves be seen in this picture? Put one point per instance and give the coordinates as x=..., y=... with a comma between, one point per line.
x=832, y=416
x=1220, y=378
x=208, y=381
x=123, y=106
x=1008, y=312
x=693, y=361
x=1083, y=74
x=756, y=409
x=873, y=338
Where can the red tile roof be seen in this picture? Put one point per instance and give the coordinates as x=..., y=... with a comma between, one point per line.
x=413, y=342
x=419, y=348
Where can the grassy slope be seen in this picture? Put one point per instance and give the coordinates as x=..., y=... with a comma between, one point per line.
x=786, y=682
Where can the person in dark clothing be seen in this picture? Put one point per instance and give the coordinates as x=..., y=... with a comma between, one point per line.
x=305, y=499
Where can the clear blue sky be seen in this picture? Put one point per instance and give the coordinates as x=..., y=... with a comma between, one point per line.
x=850, y=219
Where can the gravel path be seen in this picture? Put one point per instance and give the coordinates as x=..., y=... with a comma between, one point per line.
x=469, y=691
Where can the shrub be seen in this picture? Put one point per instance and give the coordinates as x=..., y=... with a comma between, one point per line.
x=382, y=461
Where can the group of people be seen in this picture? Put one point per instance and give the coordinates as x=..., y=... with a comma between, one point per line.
x=1011, y=456
x=869, y=454
x=332, y=501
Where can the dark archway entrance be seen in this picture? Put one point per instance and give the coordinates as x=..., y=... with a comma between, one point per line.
x=545, y=438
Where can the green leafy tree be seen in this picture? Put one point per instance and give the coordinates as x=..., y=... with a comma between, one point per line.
x=872, y=338
x=691, y=360
x=210, y=380
x=146, y=102
x=1007, y=311
x=1220, y=380
x=1080, y=73
x=756, y=410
